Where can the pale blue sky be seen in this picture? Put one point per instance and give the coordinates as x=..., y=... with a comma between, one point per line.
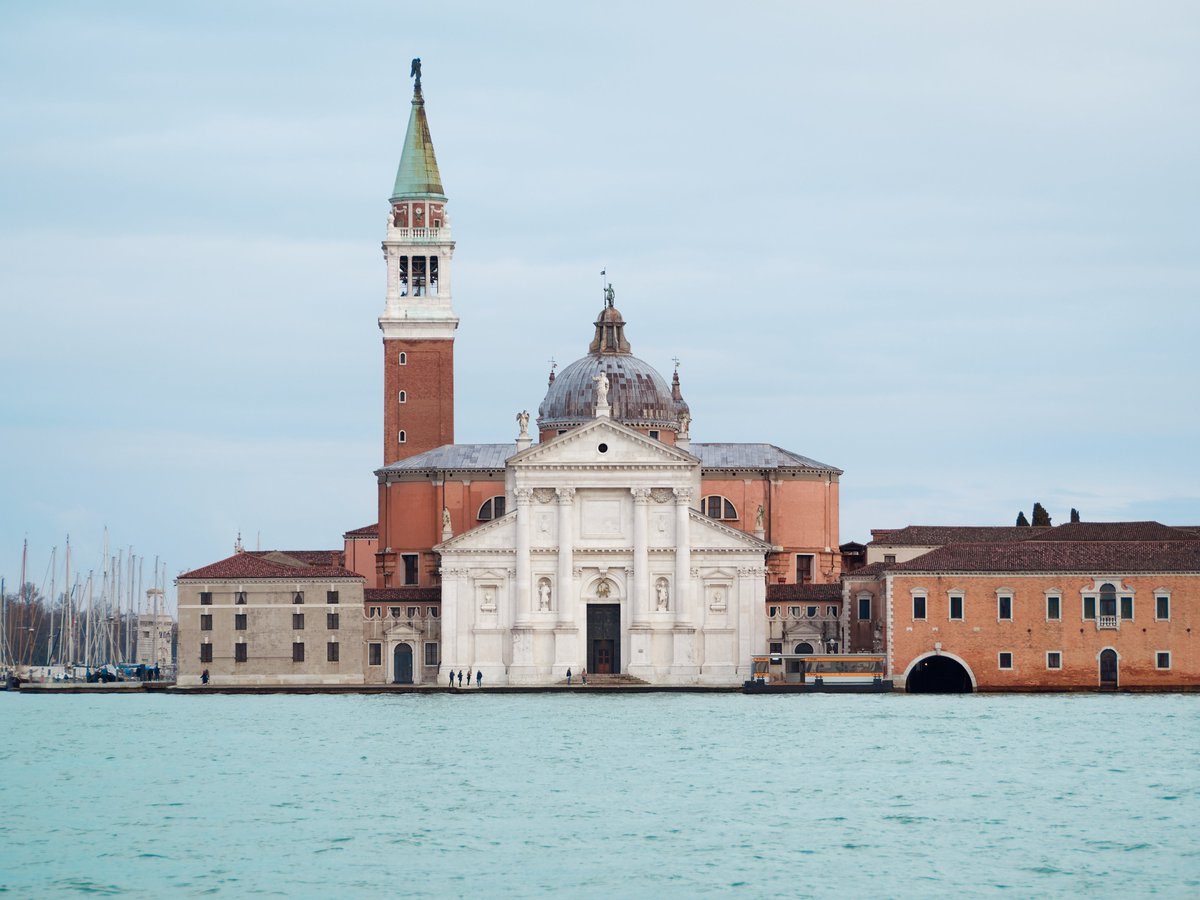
x=950, y=248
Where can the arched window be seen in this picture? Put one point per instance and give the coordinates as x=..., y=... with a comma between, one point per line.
x=404, y=396
x=493, y=508
x=804, y=647
x=717, y=507
x=403, y=358
x=403, y=438
x=1108, y=600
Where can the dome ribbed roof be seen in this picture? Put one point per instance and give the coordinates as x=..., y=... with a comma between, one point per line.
x=637, y=394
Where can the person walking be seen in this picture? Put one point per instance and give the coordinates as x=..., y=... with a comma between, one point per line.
x=584, y=676
x=460, y=677
x=568, y=677
x=204, y=677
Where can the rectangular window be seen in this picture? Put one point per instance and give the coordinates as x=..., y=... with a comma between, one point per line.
x=918, y=606
x=1006, y=660
x=1053, y=659
x=332, y=620
x=653, y=435
x=331, y=651
x=772, y=612
x=433, y=612
x=794, y=612
x=239, y=651
x=206, y=598
x=889, y=557
x=394, y=612
x=431, y=653
x=298, y=597
x=206, y=653
x=413, y=611
x=1089, y=607
x=864, y=607
x=297, y=621
x=1162, y=606
x=956, y=606
x=1053, y=607
x=206, y=622
x=374, y=654
x=804, y=568
x=331, y=596
x=1126, y=607
x=410, y=567
x=239, y=622
x=1004, y=606
x=776, y=648
x=376, y=612
x=1162, y=660
x=240, y=598
x=298, y=651
x=831, y=610
x=810, y=611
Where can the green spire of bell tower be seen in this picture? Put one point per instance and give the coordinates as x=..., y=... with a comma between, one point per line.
x=418, y=178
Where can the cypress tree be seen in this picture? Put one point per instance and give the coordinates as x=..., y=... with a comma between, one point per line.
x=1021, y=520
x=1074, y=514
x=1041, y=518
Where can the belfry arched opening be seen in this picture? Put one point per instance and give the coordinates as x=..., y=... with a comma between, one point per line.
x=938, y=675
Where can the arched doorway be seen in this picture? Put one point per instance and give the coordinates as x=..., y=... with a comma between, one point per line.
x=1108, y=669
x=402, y=665
x=938, y=674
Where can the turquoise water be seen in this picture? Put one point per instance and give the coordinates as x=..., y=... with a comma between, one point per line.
x=664, y=795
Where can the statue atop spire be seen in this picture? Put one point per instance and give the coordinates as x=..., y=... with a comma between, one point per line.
x=415, y=71
x=609, y=296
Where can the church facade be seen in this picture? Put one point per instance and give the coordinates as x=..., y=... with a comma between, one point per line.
x=604, y=540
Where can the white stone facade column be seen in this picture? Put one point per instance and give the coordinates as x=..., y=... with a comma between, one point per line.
x=641, y=557
x=523, y=565
x=566, y=632
x=684, y=668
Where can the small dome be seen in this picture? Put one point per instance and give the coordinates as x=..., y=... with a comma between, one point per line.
x=637, y=394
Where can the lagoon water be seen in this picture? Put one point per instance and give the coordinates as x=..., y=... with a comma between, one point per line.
x=600, y=795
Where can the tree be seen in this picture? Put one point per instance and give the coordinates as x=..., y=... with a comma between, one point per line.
x=1021, y=520
x=1041, y=518
x=1074, y=514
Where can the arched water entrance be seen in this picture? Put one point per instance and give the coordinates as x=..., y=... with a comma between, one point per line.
x=402, y=665
x=1108, y=669
x=938, y=674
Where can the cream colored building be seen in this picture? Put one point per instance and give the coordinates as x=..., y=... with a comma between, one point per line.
x=271, y=618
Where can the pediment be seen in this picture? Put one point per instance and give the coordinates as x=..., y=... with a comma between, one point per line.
x=497, y=534
x=709, y=534
x=622, y=446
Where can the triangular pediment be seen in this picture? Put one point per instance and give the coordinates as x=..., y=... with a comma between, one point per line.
x=497, y=534
x=602, y=442
x=709, y=534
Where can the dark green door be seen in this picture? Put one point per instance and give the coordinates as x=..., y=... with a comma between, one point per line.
x=1108, y=668
x=604, y=638
x=402, y=670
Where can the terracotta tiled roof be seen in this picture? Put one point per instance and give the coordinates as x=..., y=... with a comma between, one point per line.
x=264, y=564
x=939, y=535
x=782, y=593
x=872, y=570
x=367, y=531
x=1099, y=557
x=1112, y=531
x=419, y=594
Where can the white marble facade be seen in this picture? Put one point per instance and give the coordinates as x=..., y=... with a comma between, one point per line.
x=602, y=517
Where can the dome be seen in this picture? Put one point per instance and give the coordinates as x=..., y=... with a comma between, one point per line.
x=637, y=394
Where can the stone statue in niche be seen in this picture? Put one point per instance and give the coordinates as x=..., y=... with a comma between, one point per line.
x=718, y=600
x=544, y=595
x=489, y=600
x=663, y=593
x=603, y=589
x=685, y=421
x=523, y=422
x=758, y=518
x=445, y=520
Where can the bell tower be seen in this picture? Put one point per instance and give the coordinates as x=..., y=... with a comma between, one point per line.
x=418, y=320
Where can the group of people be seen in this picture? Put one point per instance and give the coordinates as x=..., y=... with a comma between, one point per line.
x=459, y=675
x=583, y=676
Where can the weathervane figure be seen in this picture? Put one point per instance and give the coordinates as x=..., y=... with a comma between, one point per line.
x=415, y=71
